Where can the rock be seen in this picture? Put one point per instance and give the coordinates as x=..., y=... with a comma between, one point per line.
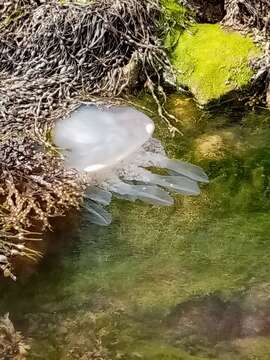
x=210, y=147
x=212, y=62
x=210, y=11
x=256, y=307
x=212, y=320
x=207, y=317
x=217, y=145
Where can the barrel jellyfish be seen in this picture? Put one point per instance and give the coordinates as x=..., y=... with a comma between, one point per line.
x=114, y=147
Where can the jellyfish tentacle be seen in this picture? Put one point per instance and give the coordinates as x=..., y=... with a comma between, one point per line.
x=156, y=159
x=153, y=195
x=185, y=169
x=148, y=193
x=98, y=195
x=98, y=215
x=178, y=184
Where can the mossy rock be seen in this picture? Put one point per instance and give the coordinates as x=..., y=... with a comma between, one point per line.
x=213, y=62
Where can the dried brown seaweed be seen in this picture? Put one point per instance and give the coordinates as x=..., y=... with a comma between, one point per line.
x=12, y=345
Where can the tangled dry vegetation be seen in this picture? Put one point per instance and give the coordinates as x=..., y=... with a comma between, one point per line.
x=53, y=54
x=248, y=14
x=253, y=16
x=12, y=345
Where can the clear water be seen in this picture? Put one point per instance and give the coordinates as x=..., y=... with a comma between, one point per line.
x=189, y=282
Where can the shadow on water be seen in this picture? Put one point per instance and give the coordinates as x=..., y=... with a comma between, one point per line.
x=186, y=282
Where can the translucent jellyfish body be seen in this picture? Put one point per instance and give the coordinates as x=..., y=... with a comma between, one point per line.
x=114, y=146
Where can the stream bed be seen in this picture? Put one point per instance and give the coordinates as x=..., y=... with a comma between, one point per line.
x=189, y=282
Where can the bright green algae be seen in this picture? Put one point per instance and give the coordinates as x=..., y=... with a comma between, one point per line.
x=115, y=286
x=212, y=61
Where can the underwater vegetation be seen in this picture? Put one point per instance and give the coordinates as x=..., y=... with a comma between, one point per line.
x=135, y=287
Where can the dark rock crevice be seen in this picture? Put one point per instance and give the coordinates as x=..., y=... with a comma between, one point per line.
x=211, y=11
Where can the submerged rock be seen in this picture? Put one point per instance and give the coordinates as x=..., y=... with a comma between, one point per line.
x=224, y=324
x=208, y=317
x=216, y=145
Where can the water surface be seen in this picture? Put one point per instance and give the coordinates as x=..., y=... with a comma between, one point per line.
x=191, y=281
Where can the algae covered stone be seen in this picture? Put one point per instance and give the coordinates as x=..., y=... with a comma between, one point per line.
x=212, y=61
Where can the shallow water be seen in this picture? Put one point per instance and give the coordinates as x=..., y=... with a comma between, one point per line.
x=190, y=281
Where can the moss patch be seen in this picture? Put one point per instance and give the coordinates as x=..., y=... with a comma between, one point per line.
x=213, y=62
x=174, y=20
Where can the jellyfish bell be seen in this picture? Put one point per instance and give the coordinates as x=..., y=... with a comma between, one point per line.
x=114, y=147
x=95, y=138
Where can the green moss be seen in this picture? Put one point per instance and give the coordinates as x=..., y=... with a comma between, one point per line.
x=174, y=10
x=174, y=20
x=213, y=62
